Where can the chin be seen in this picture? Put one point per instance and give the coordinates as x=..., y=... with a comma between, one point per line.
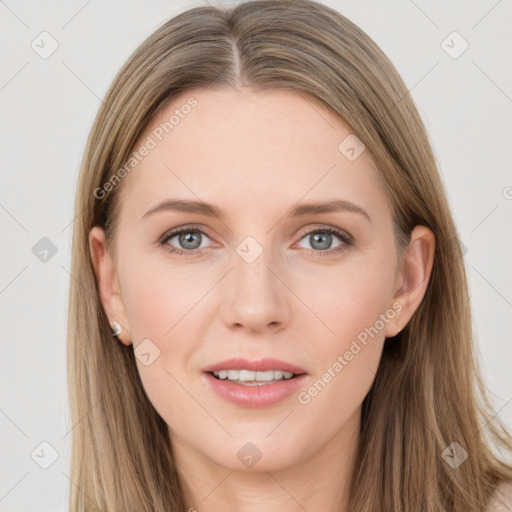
x=257, y=455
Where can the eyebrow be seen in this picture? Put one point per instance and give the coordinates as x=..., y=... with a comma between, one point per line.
x=202, y=208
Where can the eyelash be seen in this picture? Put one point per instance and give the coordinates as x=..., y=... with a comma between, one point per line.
x=344, y=237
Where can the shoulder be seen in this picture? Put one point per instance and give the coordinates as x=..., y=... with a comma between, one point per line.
x=502, y=499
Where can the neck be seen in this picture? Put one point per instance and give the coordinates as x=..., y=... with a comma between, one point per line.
x=317, y=481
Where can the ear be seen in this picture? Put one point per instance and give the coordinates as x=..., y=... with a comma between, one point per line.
x=110, y=293
x=413, y=277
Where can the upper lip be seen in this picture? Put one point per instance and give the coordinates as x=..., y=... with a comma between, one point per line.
x=260, y=365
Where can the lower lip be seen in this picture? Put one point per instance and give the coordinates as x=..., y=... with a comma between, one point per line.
x=256, y=396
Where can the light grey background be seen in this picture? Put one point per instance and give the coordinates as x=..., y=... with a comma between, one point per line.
x=47, y=107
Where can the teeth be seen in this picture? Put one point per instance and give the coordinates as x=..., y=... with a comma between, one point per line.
x=243, y=375
x=265, y=376
x=250, y=376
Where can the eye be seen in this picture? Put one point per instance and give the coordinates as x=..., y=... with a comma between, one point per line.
x=188, y=238
x=321, y=240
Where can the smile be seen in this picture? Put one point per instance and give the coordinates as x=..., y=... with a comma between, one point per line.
x=252, y=378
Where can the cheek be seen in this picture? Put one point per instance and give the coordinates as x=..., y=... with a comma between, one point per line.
x=350, y=297
x=168, y=312
x=164, y=309
x=355, y=304
x=159, y=297
x=346, y=360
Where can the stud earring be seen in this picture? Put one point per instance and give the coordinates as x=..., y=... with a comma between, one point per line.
x=116, y=327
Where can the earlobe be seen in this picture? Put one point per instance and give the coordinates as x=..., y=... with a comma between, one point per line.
x=108, y=285
x=416, y=268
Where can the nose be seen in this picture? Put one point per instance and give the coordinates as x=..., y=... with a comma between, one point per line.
x=256, y=296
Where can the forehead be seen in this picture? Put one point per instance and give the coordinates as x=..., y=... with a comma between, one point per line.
x=244, y=147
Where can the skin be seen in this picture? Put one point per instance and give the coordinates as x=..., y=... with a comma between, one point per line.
x=255, y=155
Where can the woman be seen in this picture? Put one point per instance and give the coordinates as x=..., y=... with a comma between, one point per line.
x=262, y=227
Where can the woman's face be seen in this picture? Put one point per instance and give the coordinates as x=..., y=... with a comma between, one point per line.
x=260, y=281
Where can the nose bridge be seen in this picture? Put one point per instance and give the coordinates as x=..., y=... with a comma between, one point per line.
x=257, y=297
x=253, y=262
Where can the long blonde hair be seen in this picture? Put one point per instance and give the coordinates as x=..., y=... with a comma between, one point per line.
x=427, y=393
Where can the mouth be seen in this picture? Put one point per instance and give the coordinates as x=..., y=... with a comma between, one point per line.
x=252, y=378
x=255, y=384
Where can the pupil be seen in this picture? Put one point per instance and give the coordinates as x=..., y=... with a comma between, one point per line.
x=325, y=240
x=187, y=238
